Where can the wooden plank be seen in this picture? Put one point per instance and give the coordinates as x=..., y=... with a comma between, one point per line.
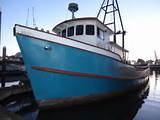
x=14, y=90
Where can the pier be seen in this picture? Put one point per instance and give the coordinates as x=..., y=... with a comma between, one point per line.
x=154, y=67
x=12, y=70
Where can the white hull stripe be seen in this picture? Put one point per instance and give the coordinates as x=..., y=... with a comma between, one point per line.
x=64, y=41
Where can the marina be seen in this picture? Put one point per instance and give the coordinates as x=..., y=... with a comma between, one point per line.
x=79, y=70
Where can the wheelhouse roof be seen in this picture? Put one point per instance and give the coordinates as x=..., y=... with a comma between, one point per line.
x=80, y=19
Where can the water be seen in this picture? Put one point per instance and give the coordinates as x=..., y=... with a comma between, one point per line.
x=150, y=110
x=140, y=105
x=9, y=84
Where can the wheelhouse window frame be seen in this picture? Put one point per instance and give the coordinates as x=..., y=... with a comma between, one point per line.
x=90, y=30
x=100, y=33
x=64, y=31
x=70, y=31
x=79, y=29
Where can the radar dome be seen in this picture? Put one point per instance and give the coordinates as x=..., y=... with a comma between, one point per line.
x=73, y=7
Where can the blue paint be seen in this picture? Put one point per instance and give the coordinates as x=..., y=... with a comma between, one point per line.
x=54, y=86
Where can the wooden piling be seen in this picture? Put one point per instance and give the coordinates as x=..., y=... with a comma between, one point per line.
x=3, y=67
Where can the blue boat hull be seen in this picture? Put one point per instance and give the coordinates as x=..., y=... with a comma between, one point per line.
x=59, y=72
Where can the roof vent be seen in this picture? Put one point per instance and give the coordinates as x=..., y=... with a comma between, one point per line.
x=73, y=7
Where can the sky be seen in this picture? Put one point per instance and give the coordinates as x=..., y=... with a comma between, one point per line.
x=141, y=19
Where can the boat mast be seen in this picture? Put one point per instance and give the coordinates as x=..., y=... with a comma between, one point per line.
x=111, y=7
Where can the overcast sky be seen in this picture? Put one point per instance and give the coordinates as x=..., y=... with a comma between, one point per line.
x=141, y=20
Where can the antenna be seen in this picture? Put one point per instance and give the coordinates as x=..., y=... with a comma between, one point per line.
x=27, y=17
x=111, y=7
x=73, y=7
x=34, y=22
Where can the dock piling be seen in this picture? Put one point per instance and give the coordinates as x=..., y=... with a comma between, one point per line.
x=3, y=67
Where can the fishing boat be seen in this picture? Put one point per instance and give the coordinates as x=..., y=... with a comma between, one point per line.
x=78, y=62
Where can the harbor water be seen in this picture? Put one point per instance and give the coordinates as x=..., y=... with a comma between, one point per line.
x=151, y=107
x=139, y=105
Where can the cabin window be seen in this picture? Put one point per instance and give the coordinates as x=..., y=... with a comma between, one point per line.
x=89, y=29
x=70, y=31
x=64, y=33
x=79, y=30
x=100, y=33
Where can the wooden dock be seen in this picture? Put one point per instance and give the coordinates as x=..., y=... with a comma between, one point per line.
x=13, y=90
x=154, y=67
x=11, y=69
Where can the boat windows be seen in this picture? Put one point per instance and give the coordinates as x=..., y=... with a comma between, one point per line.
x=70, y=31
x=64, y=33
x=100, y=33
x=79, y=30
x=89, y=29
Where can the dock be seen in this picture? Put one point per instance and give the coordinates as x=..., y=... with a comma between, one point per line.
x=154, y=67
x=8, y=92
x=12, y=69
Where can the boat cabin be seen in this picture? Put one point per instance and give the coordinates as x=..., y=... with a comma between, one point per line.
x=89, y=30
x=119, y=50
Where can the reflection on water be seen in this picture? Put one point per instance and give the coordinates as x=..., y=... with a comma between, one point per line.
x=124, y=108
x=151, y=107
x=140, y=105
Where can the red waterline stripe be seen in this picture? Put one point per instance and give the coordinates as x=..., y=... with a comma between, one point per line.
x=52, y=70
